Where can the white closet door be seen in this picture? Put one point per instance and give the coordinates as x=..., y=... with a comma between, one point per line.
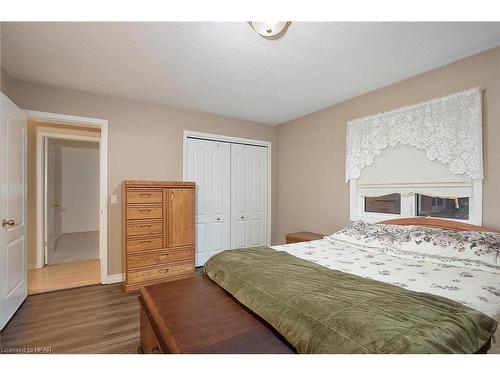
x=249, y=196
x=208, y=164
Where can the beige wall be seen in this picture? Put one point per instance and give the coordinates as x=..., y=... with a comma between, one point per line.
x=311, y=192
x=145, y=140
x=4, y=76
x=5, y=82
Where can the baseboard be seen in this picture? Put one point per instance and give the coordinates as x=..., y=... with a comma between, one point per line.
x=117, y=278
x=33, y=266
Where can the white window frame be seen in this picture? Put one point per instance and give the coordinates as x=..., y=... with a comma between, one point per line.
x=408, y=206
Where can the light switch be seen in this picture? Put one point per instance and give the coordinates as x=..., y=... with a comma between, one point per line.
x=114, y=199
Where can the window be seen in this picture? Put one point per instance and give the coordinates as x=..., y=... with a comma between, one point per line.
x=457, y=208
x=388, y=153
x=386, y=204
x=402, y=182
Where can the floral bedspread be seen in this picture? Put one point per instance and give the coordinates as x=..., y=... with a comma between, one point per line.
x=474, y=288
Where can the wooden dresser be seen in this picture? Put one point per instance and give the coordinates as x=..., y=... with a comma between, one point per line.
x=158, y=231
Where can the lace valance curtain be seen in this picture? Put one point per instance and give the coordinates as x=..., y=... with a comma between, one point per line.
x=448, y=129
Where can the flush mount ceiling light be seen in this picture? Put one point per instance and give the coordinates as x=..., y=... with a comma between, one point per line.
x=270, y=30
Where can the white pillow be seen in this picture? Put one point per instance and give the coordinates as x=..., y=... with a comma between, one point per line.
x=476, y=250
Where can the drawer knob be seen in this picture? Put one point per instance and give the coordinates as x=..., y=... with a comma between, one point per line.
x=145, y=195
x=145, y=210
x=145, y=226
x=144, y=242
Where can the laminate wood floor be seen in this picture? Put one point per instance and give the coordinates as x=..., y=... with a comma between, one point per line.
x=95, y=319
x=64, y=276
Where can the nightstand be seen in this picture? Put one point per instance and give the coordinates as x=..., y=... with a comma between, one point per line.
x=303, y=236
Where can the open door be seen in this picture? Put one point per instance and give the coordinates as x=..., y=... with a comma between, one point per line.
x=13, y=208
x=50, y=205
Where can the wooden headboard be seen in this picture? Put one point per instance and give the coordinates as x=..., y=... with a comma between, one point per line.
x=438, y=223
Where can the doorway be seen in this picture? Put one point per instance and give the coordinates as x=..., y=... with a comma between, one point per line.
x=71, y=200
x=67, y=172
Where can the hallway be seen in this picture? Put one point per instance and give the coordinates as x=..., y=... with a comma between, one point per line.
x=78, y=246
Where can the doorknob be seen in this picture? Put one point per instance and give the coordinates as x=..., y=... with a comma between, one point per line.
x=8, y=223
x=218, y=218
x=242, y=217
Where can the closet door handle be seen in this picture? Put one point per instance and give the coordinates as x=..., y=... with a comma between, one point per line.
x=8, y=223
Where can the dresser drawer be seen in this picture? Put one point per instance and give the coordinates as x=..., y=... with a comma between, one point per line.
x=159, y=257
x=160, y=272
x=144, y=212
x=144, y=196
x=144, y=228
x=147, y=243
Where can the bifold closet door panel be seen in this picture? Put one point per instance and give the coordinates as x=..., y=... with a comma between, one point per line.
x=208, y=164
x=249, y=195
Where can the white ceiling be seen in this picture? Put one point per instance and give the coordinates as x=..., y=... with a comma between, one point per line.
x=227, y=69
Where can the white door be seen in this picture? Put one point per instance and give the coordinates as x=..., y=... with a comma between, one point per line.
x=249, y=196
x=50, y=205
x=13, y=143
x=208, y=164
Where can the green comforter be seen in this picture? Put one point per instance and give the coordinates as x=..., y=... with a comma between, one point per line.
x=319, y=310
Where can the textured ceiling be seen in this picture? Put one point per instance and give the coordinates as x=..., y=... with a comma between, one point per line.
x=227, y=69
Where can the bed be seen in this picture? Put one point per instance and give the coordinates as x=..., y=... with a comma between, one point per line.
x=347, y=293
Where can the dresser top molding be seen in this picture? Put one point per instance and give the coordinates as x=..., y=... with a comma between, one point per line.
x=134, y=183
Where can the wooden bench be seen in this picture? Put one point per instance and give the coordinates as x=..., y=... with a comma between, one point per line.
x=195, y=315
